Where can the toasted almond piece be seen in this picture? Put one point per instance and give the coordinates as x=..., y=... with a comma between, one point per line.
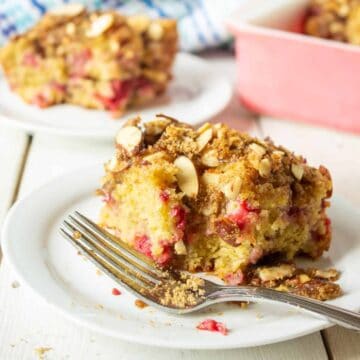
x=155, y=31
x=187, y=176
x=180, y=248
x=129, y=138
x=100, y=25
x=115, y=165
x=258, y=149
x=68, y=10
x=203, y=139
x=304, y=278
x=70, y=28
x=139, y=22
x=327, y=274
x=231, y=189
x=114, y=46
x=210, y=178
x=210, y=158
x=276, y=272
x=155, y=156
x=264, y=167
x=297, y=170
x=156, y=127
x=282, y=288
x=203, y=128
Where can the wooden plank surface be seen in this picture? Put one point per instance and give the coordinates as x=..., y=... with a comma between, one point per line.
x=13, y=145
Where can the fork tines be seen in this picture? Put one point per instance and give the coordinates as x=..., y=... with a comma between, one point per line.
x=115, y=258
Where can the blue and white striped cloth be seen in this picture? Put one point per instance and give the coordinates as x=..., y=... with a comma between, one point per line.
x=200, y=22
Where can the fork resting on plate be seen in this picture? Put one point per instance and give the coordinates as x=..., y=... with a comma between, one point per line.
x=140, y=276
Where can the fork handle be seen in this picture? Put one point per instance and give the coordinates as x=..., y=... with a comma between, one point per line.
x=335, y=314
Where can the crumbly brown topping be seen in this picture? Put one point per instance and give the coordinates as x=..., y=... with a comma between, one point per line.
x=314, y=283
x=140, y=304
x=334, y=19
x=185, y=292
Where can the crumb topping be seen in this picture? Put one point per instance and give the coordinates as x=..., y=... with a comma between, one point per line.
x=185, y=292
x=217, y=200
x=314, y=283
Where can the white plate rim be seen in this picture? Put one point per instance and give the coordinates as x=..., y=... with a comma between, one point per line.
x=223, y=94
x=318, y=325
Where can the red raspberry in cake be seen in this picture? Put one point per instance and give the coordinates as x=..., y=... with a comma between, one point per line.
x=143, y=245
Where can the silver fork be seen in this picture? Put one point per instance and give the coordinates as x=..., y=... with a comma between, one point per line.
x=139, y=275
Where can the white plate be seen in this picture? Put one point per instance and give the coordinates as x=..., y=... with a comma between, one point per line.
x=50, y=266
x=196, y=93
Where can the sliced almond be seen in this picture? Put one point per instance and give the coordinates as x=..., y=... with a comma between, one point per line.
x=155, y=156
x=210, y=159
x=187, y=176
x=231, y=189
x=203, y=128
x=68, y=10
x=155, y=31
x=297, y=170
x=264, y=167
x=70, y=28
x=304, y=278
x=100, y=25
x=156, y=127
x=276, y=272
x=180, y=248
x=129, y=138
x=327, y=274
x=115, y=165
x=212, y=179
x=258, y=149
x=114, y=46
x=203, y=139
x=139, y=22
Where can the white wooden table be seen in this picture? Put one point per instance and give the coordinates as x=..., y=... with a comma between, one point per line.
x=27, y=162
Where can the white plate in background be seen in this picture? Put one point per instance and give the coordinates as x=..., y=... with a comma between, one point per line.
x=50, y=266
x=196, y=93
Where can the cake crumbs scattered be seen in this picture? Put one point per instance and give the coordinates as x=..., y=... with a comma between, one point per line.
x=99, y=306
x=76, y=235
x=140, y=304
x=15, y=284
x=99, y=272
x=259, y=316
x=41, y=351
x=185, y=292
x=241, y=304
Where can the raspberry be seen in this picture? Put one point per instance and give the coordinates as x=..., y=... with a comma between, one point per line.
x=235, y=278
x=164, y=196
x=143, y=245
x=116, y=292
x=241, y=216
x=179, y=213
x=214, y=326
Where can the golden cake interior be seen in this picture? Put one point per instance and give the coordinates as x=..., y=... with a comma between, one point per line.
x=212, y=199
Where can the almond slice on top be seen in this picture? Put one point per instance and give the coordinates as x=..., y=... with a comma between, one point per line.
x=68, y=10
x=203, y=139
x=129, y=138
x=100, y=25
x=187, y=176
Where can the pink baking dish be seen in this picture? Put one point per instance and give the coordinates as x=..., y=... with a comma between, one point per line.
x=284, y=73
